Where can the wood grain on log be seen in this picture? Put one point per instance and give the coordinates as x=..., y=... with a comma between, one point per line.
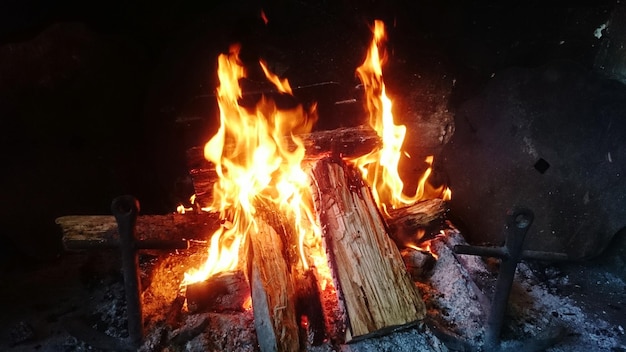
x=307, y=298
x=371, y=278
x=272, y=292
x=97, y=231
x=420, y=214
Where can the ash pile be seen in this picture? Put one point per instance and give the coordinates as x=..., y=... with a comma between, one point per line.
x=544, y=311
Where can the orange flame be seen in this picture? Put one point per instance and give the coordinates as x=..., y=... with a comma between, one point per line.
x=281, y=84
x=181, y=209
x=425, y=246
x=247, y=304
x=380, y=167
x=256, y=157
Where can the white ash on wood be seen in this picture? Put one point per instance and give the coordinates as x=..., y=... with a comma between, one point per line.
x=458, y=292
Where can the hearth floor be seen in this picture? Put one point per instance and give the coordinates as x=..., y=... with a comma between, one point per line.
x=41, y=299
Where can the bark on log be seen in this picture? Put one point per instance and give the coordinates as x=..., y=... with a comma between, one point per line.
x=272, y=292
x=368, y=270
x=418, y=222
x=349, y=141
x=100, y=231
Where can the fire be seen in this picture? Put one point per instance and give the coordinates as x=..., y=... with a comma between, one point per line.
x=425, y=246
x=247, y=304
x=257, y=158
x=380, y=167
x=181, y=209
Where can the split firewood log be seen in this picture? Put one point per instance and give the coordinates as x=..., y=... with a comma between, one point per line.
x=273, y=296
x=375, y=289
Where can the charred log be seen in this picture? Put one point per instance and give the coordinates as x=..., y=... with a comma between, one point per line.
x=309, y=308
x=223, y=292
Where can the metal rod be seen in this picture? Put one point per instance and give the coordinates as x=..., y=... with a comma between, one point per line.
x=518, y=222
x=496, y=252
x=500, y=252
x=125, y=209
x=545, y=256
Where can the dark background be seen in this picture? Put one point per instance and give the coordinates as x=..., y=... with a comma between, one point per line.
x=102, y=98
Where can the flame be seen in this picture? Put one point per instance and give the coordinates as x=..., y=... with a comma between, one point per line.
x=281, y=84
x=425, y=246
x=247, y=304
x=416, y=243
x=181, y=209
x=447, y=194
x=380, y=167
x=257, y=157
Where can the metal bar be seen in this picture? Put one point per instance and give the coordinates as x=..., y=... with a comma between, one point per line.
x=500, y=252
x=496, y=252
x=545, y=256
x=517, y=225
x=125, y=209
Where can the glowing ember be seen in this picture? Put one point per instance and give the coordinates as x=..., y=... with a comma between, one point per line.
x=257, y=159
x=380, y=167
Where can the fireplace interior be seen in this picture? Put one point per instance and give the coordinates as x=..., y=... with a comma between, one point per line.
x=522, y=105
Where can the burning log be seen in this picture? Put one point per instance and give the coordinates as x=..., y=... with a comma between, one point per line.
x=349, y=141
x=153, y=231
x=306, y=296
x=418, y=215
x=411, y=224
x=373, y=285
x=309, y=307
x=272, y=292
x=227, y=291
